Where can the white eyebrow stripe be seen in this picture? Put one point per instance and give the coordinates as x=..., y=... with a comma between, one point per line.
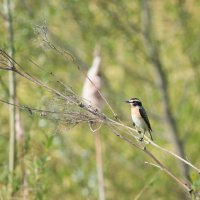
x=133, y=100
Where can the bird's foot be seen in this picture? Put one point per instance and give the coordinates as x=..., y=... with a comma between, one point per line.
x=141, y=139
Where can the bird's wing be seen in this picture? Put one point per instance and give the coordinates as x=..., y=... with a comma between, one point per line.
x=145, y=117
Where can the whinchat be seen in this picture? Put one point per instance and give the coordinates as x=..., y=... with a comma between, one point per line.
x=139, y=117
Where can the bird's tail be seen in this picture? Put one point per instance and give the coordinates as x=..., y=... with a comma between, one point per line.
x=150, y=135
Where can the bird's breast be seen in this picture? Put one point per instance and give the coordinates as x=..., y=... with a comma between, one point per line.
x=137, y=118
x=135, y=112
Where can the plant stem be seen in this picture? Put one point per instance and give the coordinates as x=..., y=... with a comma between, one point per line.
x=12, y=97
x=99, y=165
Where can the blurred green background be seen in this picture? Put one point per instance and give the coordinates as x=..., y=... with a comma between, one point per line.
x=59, y=160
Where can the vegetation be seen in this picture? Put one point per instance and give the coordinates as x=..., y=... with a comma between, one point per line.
x=149, y=50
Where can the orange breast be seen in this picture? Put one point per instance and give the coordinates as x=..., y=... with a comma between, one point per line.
x=135, y=111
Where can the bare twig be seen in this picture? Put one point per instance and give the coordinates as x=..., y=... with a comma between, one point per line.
x=175, y=155
x=162, y=167
x=158, y=163
x=42, y=32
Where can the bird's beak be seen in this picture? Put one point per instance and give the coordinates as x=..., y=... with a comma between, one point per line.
x=127, y=101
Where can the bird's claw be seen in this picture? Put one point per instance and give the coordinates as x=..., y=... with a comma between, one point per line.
x=141, y=139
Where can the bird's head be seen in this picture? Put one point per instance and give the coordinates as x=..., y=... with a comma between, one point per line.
x=134, y=102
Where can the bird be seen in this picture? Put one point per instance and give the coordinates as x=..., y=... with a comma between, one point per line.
x=140, y=117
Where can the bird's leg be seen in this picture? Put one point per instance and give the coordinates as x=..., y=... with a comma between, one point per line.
x=142, y=135
x=136, y=128
x=140, y=132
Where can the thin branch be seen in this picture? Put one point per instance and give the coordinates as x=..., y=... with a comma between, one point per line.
x=174, y=155
x=161, y=166
x=42, y=32
x=159, y=147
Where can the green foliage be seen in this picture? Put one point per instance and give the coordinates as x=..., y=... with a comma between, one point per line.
x=195, y=182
